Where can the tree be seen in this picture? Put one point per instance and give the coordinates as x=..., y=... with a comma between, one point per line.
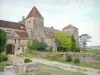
x=63, y=39
x=32, y=44
x=35, y=45
x=42, y=46
x=73, y=48
x=2, y=40
x=84, y=38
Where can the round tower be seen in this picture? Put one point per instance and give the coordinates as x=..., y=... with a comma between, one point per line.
x=71, y=30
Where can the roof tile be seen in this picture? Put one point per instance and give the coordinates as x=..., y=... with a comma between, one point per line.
x=34, y=12
x=69, y=26
x=14, y=25
x=22, y=34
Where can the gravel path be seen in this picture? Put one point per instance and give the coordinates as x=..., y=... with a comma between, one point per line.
x=88, y=71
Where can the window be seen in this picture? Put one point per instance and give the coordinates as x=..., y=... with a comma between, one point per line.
x=8, y=31
x=15, y=40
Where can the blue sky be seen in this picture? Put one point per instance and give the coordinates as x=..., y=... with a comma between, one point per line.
x=84, y=14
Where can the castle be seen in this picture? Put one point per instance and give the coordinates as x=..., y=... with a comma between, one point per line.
x=30, y=28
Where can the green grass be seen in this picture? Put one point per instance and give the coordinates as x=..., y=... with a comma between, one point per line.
x=97, y=52
x=51, y=70
x=95, y=66
x=30, y=54
x=5, y=63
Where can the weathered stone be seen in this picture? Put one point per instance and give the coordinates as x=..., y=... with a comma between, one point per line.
x=88, y=58
x=31, y=66
x=8, y=73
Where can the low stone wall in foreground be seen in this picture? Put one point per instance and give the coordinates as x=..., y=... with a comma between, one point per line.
x=88, y=58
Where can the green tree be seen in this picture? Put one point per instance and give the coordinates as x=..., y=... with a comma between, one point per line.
x=35, y=45
x=2, y=40
x=84, y=38
x=73, y=48
x=63, y=39
x=42, y=46
x=32, y=44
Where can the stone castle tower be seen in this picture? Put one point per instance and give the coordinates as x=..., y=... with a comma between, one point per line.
x=34, y=24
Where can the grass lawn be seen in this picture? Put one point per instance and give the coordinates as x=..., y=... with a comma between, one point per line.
x=97, y=52
x=50, y=70
x=5, y=63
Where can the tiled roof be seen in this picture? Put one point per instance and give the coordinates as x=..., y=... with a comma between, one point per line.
x=22, y=34
x=34, y=12
x=49, y=32
x=14, y=25
x=69, y=26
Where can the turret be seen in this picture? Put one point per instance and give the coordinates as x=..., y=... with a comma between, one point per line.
x=71, y=30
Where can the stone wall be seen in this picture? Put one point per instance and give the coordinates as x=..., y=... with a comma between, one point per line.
x=88, y=58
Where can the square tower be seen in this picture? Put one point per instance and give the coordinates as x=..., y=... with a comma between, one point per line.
x=34, y=24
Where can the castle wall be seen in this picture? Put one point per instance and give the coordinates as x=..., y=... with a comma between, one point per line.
x=29, y=26
x=34, y=28
x=38, y=28
x=23, y=42
x=49, y=42
x=29, y=23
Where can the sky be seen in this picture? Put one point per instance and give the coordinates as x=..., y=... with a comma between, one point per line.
x=83, y=14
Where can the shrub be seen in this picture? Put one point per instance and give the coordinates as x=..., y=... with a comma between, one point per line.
x=77, y=50
x=27, y=60
x=2, y=40
x=49, y=49
x=3, y=57
x=76, y=61
x=42, y=46
x=68, y=58
x=36, y=45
